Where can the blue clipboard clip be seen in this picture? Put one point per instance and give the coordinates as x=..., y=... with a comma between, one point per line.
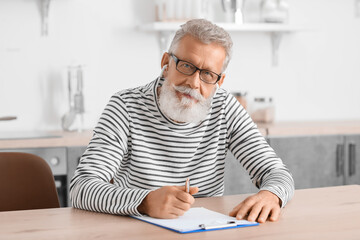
x=228, y=224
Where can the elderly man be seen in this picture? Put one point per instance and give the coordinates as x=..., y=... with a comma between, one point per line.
x=150, y=139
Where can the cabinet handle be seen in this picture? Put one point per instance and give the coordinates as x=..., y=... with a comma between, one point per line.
x=352, y=159
x=339, y=159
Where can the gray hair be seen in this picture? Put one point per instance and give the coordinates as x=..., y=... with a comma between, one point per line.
x=206, y=32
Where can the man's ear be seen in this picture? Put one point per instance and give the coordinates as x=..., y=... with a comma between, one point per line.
x=165, y=59
x=221, y=81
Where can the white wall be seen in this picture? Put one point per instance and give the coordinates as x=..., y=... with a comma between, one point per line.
x=318, y=77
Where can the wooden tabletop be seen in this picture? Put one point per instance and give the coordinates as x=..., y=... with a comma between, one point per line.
x=319, y=213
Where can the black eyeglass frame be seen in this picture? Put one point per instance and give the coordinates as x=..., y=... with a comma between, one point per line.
x=177, y=60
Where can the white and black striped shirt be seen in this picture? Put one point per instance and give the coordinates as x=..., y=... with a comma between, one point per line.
x=138, y=147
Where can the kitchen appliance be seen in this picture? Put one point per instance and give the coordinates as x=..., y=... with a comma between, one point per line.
x=56, y=158
x=73, y=120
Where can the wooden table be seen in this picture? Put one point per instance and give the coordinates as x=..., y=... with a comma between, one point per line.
x=321, y=213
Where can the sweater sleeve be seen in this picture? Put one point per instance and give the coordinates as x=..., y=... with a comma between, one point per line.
x=90, y=188
x=265, y=168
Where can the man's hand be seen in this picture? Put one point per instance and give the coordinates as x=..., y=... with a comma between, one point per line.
x=258, y=207
x=168, y=202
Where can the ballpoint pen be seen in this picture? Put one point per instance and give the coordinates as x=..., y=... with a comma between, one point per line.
x=187, y=185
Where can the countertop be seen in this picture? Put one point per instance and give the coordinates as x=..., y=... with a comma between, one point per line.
x=310, y=128
x=73, y=139
x=57, y=139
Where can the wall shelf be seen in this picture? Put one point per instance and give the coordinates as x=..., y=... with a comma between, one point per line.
x=276, y=31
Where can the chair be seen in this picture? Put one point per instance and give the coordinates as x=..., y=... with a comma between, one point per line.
x=26, y=182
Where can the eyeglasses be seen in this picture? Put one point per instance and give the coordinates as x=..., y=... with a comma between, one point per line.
x=189, y=69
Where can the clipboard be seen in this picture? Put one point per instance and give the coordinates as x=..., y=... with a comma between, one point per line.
x=198, y=220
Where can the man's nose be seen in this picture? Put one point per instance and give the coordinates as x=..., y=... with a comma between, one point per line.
x=194, y=80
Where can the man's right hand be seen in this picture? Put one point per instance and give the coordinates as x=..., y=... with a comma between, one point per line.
x=168, y=202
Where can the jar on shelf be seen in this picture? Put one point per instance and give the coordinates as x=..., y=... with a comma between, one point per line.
x=181, y=10
x=263, y=110
x=241, y=97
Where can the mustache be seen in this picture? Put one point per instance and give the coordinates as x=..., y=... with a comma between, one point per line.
x=192, y=92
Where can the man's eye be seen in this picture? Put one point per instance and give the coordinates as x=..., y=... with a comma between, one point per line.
x=208, y=73
x=186, y=65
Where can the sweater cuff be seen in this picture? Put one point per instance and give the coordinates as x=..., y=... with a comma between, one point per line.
x=281, y=186
x=138, y=201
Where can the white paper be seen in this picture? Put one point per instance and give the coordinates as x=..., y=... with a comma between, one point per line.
x=191, y=220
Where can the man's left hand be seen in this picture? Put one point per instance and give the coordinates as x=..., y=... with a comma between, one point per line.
x=258, y=207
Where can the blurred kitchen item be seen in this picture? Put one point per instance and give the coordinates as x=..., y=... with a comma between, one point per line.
x=160, y=10
x=229, y=7
x=8, y=118
x=44, y=10
x=74, y=118
x=241, y=97
x=233, y=10
x=181, y=10
x=275, y=11
x=239, y=16
x=68, y=119
x=263, y=110
x=201, y=9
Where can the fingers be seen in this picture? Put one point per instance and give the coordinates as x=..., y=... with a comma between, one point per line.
x=258, y=207
x=242, y=210
x=186, y=197
x=275, y=213
x=168, y=202
x=193, y=190
x=264, y=214
x=254, y=213
x=177, y=212
x=183, y=201
x=234, y=212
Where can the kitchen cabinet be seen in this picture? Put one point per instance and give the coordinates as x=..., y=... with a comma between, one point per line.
x=352, y=159
x=319, y=161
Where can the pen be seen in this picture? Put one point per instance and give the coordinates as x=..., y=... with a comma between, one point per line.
x=229, y=224
x=187, y=185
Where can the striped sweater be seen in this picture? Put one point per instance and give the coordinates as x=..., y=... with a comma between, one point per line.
x=137, y=147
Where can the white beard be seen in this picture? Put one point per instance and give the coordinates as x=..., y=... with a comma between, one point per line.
x=184, y=110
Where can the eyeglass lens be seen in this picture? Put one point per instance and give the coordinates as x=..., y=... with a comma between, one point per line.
x=189, y=69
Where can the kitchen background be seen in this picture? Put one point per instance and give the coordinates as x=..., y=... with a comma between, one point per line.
x=317, y=77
